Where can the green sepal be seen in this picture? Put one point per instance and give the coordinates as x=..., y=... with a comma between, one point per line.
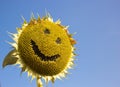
x=23, y=70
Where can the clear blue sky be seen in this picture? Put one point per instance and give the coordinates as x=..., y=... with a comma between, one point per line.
x=97, y=23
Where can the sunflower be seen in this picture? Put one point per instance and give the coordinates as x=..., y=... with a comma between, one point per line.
x=42, y=48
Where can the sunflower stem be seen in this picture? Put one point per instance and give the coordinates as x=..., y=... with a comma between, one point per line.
x=39, y=82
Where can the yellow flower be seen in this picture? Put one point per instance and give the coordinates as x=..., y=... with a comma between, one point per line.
x=43, y=48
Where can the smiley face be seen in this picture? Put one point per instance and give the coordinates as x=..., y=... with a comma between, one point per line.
x=41, y=55
x=45, y=47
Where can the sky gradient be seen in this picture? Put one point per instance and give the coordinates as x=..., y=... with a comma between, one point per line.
x=97, y=27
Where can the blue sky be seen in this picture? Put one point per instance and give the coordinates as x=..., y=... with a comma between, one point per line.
x=97, y=23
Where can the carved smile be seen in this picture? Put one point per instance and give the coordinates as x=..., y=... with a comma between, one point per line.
x=41, y=55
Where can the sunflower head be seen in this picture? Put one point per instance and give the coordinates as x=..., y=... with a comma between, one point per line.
x=43, y=48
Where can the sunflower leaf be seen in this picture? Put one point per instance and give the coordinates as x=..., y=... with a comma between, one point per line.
x=10, y=58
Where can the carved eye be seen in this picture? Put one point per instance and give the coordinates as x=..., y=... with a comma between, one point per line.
x=46, y=31
x=58, y=40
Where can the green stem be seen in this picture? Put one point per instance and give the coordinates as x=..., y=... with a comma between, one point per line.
x=39, y=82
